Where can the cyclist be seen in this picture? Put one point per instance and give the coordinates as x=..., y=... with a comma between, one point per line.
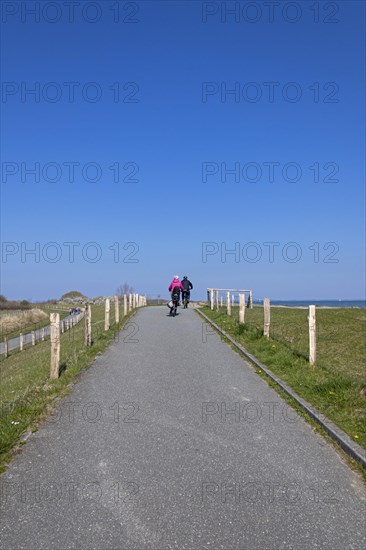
x=187, y=285
x=175, y=287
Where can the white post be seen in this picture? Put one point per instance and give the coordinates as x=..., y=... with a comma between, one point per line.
x=106, y=314
x=217, y=300
x=6, y=346
x=130, y=302
x=232, y=300
x=33, y=335
x=228, y=305
x=55, y=345
x=242, y=308
x=212, y=298
x=42, y=334
x=221, y=302
x=124, y=305
x=116, y=309
x=137, y=300
x=267, y=317
x=312, y=335
x=88, y=332
x=21, y=341
x=62, y=326
x=251, y=299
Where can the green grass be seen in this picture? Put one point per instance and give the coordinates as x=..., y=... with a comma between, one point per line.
x=26, y=390
x=334, y=384
x=34, y=326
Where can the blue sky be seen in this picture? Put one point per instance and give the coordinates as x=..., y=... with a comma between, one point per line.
x=173, y=132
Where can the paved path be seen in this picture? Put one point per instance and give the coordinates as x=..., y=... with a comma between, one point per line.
x=14, y=343
x=170, y=441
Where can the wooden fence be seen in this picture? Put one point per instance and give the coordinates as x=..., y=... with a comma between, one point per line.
x=213, y=295
x=37, y=335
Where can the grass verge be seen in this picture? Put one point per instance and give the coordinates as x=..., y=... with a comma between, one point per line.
x=334, y=386
x=27, y=391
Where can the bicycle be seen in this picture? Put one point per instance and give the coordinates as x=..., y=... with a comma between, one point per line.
x=186, y=296
x=175, y=301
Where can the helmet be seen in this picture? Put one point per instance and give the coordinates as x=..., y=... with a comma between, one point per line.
x=185, y=277
x=176, y=277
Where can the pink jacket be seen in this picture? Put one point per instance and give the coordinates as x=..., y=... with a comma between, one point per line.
x=174, y=283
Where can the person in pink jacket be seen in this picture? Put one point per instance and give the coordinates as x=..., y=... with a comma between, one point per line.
x=175, y=287
x=176, y=283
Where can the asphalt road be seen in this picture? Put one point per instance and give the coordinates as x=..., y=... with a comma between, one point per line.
x=171, y=441
x=14, y=343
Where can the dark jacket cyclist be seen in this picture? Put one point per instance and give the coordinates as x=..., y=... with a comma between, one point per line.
x=187, y=285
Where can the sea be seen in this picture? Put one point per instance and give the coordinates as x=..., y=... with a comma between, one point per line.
x=319, y=303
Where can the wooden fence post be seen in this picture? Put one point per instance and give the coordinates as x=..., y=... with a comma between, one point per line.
x=228, y=304
x=124, y=305
x=267, y=317
x=33, y=336
x=21, y=341
x=130, y=302
x=242, y=308
x=217, y=300
x=312, y=335
x=221, y=302
x=212, y=298
x=106, y=314
x=55, y=345
x=6, y=346
x=88, y=330
x=116, y=309
x=250, y=300
x=232, y=300
x=42, y=334
x=137, y=300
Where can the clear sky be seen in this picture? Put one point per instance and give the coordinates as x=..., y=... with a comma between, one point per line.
x=166, y=134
